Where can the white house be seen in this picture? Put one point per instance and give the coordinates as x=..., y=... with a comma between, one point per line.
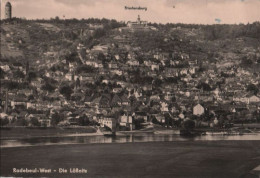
x=253, y=99
x=127, y=121
x=164, y=107
x=109, y=122
x=133, y=62
x=198, y=110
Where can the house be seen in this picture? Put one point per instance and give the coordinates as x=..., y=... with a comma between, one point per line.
x=18, y=66
x=184, y=71
x=138, y=93
x=133, y=62
x=55, y=105
x=27, y=92
x=198, y=110
x=121, y=83
x=169, y=95
x=155, y=67
x=141, y=115
x=102, y=102
x=117, y=90
x=100, y=49
x=42, y=105
x=148, y=63
x=87, y=78
x=193, y=70
x=88, y=100
x=147, y=87
x=155, y=97
x=113, y=65
x=125, y=101
x=108, y=122
x=160, y=118
x=117, y=72
x=126, y=121
x=45, y=122
x=172, y=72
x=164, y=107
x=72, y=66
x=19, y=101
x=36, y=82
x=31, y=105
x=117, y=57
x=116, y=101
x=5, y=68
x=70, y=76
x=253, y=99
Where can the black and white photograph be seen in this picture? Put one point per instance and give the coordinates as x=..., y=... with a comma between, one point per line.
x=130, y=88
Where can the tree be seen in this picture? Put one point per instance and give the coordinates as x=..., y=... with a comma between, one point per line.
x=55, y=119
x=13, y=85
x=252, y=88
x=157, y=82
x=66, y=91
x=246, y=62
x=72, y=57
x=99, y=33
x=27, y=67
x=31, y=76
x=77, y=83
x=189, y=124
x=4, y=121
x=154, y=120
x=19, y=74
x=85, y=69
x=168, y=119
x=2, y=73
x=22, y=122
x=35, y=122
x=138, y=123
x=204, y=86
x=30, y=97
x=48, y=87
x=83, y=121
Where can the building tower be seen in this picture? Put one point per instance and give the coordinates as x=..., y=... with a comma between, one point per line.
x=139, y=19
x=8, y=10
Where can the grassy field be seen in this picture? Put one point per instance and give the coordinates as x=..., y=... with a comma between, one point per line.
x=162, y=159
x=22, y=132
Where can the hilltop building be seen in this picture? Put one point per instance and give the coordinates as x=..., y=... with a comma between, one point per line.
x=138, y=25
x=8, y=10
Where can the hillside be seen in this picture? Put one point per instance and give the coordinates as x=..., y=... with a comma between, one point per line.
x=156, y=72
x=31, y=40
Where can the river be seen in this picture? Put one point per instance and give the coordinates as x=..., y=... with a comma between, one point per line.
x=127, y=138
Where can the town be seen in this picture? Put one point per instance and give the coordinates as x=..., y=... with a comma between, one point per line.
x=130, y=88
x=128, y=75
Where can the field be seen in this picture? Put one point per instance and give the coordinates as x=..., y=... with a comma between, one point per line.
x=163, y=159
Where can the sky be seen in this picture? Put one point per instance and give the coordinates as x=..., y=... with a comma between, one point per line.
x=159, y=11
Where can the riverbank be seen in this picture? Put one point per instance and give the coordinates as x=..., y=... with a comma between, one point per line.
x=11, y=133
x=37, y=132
x=160, y=159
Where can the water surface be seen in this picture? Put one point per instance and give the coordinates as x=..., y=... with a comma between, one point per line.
x=128, y=138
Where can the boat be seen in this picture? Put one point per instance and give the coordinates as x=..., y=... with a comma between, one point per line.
x=167, y=132
x=109, y=134
x=191, y=133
